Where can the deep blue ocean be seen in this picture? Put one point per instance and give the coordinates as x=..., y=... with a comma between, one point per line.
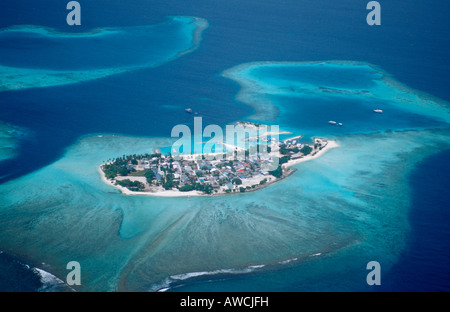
x=424, y=266
x=412, y=45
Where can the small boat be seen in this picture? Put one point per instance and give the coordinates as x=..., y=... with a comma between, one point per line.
x=379, y=111
x=332, y=122
x=340, y=124
x=189, y=110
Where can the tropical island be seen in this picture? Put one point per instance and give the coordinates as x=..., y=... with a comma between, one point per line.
x=193, y=175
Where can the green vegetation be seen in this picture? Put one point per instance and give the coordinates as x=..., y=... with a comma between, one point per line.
x=283, y=149
x=277, y=173
x=140, y=173
x=150, y=175
x=236, y=181
x=205, y=188
x=169, y=184
x=187, y=188
x=284, y=159
x=119, y=166
x=264, y=148
x=135, y=186
x=306, y=150
x=115, y=169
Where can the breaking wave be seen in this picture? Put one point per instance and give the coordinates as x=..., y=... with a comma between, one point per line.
x=177, y=280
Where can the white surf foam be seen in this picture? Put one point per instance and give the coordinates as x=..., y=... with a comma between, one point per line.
x=50, y=282
x=166, y=284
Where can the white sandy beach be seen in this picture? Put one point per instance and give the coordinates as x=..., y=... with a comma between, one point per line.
x=330, y=145
x=160, y=192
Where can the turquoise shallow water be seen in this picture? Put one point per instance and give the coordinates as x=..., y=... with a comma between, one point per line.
x=35, y=56
x=349, y=203
x=315, y=230
x=304, y=97
x=7, y=142
x=9, y=139
x=348, y=207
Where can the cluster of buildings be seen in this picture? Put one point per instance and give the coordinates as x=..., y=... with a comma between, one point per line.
x=221, y=174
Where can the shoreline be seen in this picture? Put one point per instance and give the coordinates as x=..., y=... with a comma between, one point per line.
x=25, y=78
x=252, y=87
x=176, y=193
x=330, y=145
x=165, y=193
